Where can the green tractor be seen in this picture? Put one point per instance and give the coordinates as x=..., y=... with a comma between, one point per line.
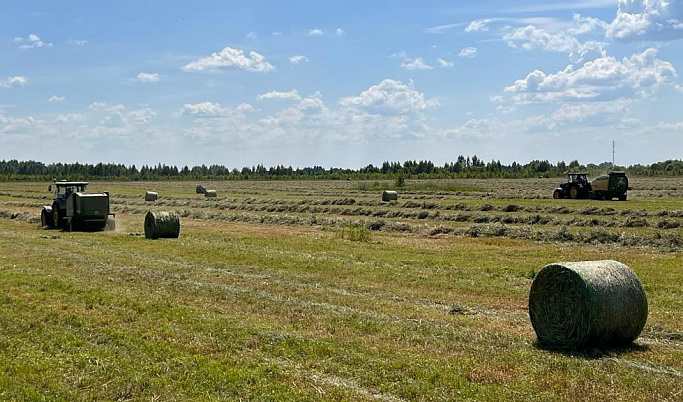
x=577, y=186
x=605, y=187
x=74, y=208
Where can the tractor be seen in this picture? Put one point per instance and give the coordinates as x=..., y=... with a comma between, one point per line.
x=605, y=187
x=577, y=186
x=75, y=208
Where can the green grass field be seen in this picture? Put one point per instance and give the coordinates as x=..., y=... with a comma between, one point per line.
x=319, y=291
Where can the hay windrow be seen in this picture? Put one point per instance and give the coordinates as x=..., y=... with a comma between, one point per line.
x=575, y=305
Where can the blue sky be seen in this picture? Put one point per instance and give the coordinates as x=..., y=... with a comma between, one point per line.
x=340, y=84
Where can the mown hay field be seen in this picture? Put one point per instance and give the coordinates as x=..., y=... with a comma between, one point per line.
x=307, y=290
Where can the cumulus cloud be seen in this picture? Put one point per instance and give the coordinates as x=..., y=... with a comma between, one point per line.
x=656, y=20
x=55, y=98
x=290, y=95
x=148, y=77
x=390, y=97
x=640, y=75
x=532, y=38
x=468, y=52
x=340, y=31
x=415, y=64
x=297, y=59
x=30, y=42
x=315, y=32
x=12, y=81
x=214, y=110
x=252, y=35
x=230, y=58
x=477, y=25
x=444, y=63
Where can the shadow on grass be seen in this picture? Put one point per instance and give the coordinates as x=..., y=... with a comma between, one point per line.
x=596, y=353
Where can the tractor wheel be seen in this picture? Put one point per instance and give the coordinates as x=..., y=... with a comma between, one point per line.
x=557, y=194
x=574, y=192
x=622, y=197
x=45, y=220
x=56, y=218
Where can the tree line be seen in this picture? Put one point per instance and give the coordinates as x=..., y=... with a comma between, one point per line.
x=462, y=167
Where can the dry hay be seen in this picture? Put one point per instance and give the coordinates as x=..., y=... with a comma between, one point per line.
x=151, y=196
x=162, y=224
x=576, y=305
x=210, y=193
x=388, y=195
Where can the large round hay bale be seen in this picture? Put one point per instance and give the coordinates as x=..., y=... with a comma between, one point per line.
x=162, y=224
x=200, y=189
x=210, y=194
x=388, y=195
x=576, y=305
x=151, y=196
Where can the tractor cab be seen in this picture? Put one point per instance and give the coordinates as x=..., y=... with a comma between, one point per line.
x=577, y=186
x=579, y=178
x=63, y=189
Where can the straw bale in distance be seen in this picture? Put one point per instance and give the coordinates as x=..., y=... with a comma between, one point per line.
x=388, y=195
x=575, y=305
x=151, y=196
x=162, y=224
x=210, y=194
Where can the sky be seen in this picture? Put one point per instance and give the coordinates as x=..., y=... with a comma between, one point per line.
x=340, y=83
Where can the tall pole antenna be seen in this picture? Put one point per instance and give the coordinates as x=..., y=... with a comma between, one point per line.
x=612, y=154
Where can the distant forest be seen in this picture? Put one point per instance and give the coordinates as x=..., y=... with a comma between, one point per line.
x=463, y=167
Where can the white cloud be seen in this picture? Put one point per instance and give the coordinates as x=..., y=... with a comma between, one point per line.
x=340, y=31
x=583, y=25
x=55, y=98
x=647, y=20
x=140, y=117
x=214, y=110
x=32, y=41
x=444, y=63
x=443, y=28
x=477, y=25
x=315, y=32
x=469, y=52
x=277, y=33
x=611, y=111
x=390, y=97
x=78, y=42
x=533, y=38
x=12, y=81
x=297, y=59
x=293, y=95
x=640, y=75
x=415, y=64
x=148, y=77
x=252, y=35
x=231, y=58
x=69, y=118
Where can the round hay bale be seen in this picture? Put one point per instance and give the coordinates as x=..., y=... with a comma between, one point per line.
x=200, y=189
x=151, y=196
x=210, y=194
x=576, y=305
x=388, y=195
x=162, y=224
